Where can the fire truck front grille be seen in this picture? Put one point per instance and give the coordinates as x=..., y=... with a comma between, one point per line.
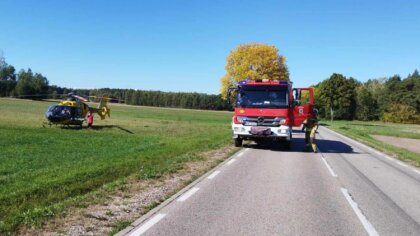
x=261, y=121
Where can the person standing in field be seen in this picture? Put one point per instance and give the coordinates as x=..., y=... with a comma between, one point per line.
x=311, y=128
x=90, y=119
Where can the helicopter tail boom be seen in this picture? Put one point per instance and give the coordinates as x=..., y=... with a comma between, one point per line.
x=103, y=110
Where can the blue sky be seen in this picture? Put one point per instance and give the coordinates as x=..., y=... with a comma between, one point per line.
x=182, y=45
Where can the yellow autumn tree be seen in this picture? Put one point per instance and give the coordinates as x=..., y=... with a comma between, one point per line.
x=253, y=61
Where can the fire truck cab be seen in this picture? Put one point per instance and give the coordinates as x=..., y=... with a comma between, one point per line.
x=267, y=109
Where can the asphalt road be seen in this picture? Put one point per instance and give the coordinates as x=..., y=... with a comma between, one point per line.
x=345, y=189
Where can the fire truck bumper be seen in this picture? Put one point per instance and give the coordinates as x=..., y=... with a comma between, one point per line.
x=281, y=132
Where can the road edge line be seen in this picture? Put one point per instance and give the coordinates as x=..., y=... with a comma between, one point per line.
x=375, y=151
x=149, y=224
x=187, y=194
x=149, y=214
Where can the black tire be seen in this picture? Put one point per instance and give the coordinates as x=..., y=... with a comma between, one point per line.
x=238, y=142
x=287, y=145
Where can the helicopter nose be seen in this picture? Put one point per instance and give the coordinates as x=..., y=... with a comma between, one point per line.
x=48, y=115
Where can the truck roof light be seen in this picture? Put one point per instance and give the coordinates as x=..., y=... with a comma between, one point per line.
x=243, y=82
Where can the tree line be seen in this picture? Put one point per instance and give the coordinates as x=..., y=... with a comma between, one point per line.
x=27, y=84
x=392, y=99
x=159, y=98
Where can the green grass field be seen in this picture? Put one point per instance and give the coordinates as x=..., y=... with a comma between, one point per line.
x=362, y=131
x=45, y=170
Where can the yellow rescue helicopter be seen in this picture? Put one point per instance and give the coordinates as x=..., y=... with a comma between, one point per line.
x=74, y=109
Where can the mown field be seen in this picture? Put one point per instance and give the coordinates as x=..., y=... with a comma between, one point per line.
x=45, y=170
x=363, y=132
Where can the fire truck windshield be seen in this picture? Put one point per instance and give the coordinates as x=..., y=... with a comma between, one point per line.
x=262, y=97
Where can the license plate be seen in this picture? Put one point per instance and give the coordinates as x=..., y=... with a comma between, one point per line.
x=251, y=123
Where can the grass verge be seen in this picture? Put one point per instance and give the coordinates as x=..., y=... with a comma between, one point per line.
x=363, y=131
x=46, y=170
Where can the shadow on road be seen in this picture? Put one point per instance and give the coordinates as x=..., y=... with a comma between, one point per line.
x=268, y=145
x=298, y=145
x=332, y=146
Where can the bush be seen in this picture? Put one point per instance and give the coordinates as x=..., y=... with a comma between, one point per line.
x=400, y=113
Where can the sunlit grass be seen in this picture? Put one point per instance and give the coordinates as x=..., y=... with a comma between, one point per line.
x=41, y=168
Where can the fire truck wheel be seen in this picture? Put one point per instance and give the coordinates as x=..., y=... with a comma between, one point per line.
x=287, y=145
x=238, y=142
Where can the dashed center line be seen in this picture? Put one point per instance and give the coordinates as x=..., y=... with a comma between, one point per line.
x=231, y=161
x=142, y=229
x=329, y=167
x=366, y=224
x=213, y=174
x=188, y=194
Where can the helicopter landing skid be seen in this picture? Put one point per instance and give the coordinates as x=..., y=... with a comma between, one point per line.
x=46, y=124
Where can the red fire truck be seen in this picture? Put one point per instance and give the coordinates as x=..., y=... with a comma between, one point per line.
x=266, y=109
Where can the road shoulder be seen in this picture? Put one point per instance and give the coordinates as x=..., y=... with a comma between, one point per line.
x=131, y=200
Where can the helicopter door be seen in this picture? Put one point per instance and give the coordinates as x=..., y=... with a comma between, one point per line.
x=303, y=104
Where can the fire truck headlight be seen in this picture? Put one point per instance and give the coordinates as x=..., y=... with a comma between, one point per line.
x=239, y=129
x=242, y=119
x=282, y=131
x=279, y=120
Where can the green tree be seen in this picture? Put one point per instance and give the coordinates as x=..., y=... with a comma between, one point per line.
x=367, y=106
x=397, y=91
x=7, y=72
x=7, y=77
x=24, y=85
x=337, y=94
x=30, y=84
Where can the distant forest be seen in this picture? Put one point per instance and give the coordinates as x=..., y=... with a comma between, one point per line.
x=29, y=85
x=392, y=99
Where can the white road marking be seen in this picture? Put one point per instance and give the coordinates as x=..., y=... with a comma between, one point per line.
x=401, y=164
x=231, y=161
x=366, y=224
x=377, y=152
x=213, y=174
x=329, y=167
x=389, y=158
x=188, y=194
x=142, y=229
x=240, y=154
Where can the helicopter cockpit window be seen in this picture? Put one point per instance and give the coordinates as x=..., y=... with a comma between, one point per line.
x=59, y=110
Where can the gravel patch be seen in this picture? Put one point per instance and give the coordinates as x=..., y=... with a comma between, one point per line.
x=406, y=143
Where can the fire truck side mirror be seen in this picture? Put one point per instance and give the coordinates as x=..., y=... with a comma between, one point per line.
x=229, y=95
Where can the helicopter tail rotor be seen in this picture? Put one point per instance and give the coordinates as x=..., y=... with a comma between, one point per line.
x=103, y=109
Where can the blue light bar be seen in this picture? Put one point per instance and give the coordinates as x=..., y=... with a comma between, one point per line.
x=243, y=82
x=284, y=82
